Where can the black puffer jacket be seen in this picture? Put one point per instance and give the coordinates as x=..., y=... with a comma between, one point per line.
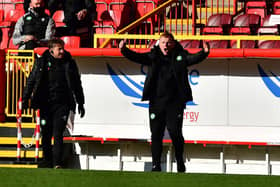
x=180, y=58
x=37, y=86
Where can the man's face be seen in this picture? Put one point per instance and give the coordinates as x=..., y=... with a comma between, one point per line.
x=36, y=3
x=57, y=51
x=166, y=45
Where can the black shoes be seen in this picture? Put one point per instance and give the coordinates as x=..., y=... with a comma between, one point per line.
x=181, y=168
x=156, y=168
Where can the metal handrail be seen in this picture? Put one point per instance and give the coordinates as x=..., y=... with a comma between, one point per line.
x=238, y=38
x=140, y=20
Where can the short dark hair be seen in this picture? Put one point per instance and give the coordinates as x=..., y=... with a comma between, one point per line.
x=55, y=41
x=167, y=34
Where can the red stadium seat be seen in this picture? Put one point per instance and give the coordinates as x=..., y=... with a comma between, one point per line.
x=190, y=43
x=257, y=7
x=268, y=27
x=17, y=1
x=219, y=44
x=142, y=8
x=276, y=7
x=242, y=26
x=14, y=15
x=1, y=15
x=7, y=7
x=11, y=44
x=11, y=18
x=213, y=30
x=58, y=18
x=240, y=30
x=246, y=22
x=268, y=30
x=268, y=44
x=266, y=22
x=19, y=5
x=103, y=29
x=243, y=44
x=217, y=20
x=218, y=24
x=120, y=12
x=101, y=7
x=71, y=41
x=6, y=36
x=103, y=15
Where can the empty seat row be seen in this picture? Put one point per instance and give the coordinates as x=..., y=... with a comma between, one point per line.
x=243, y=24
x=6, y=7
x=266, y=44
x=260, y=8
x=224, y=24
x=120, y=13
x=11, y=17
x=115, y=12
x=223, y=44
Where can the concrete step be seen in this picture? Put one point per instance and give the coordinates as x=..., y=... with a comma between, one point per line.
x=13, y=140
x=18, y=166
x=23, y=153
x=14, y=125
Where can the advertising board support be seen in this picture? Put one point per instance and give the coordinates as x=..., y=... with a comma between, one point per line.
x=2, y=85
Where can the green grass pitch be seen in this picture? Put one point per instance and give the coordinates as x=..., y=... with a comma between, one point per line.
x=66, y=178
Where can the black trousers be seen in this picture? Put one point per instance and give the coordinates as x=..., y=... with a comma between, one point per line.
x=171, y=117
x=53, y=123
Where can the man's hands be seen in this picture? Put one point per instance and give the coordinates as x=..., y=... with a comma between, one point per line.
x=206, y=46
x=28, y=38
x=81, y=110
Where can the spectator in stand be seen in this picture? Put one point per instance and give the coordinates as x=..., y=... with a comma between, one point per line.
x=77, y=13
x=27, y=2
x=167, y=89
x=34, y=28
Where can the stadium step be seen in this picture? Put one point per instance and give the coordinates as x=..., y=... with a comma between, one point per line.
x=23, y=153
x=8, y=146
x=18, y=166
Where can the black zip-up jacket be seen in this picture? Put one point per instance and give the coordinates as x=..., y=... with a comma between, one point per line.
x=181, y=59
x=37, y=86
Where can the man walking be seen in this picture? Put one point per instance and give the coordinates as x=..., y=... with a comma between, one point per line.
x=54, y=87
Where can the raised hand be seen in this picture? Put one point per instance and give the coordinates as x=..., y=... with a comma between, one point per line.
x=122, y=44
x=206, y=46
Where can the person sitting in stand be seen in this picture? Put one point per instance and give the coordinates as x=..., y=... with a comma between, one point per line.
x=77, y=13
x=34, y=28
